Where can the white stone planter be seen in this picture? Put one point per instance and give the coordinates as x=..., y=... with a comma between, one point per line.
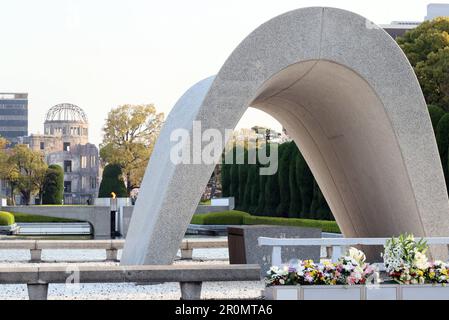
x=358, y=292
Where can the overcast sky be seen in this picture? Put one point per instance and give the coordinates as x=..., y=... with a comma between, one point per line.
x=98, y=54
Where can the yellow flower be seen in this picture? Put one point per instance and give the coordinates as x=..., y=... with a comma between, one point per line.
x=444, y=271
x=432, y=275
x=420, y=273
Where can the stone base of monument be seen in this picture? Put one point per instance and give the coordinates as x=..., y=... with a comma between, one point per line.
x=244, y=248
x=9, y=230
x=358, y=292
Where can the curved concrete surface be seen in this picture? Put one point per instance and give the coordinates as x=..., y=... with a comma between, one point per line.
x=348, y=97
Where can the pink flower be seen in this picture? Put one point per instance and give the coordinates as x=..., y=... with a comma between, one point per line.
x=351, y=280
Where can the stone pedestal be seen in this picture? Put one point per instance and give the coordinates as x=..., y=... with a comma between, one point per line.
x=244, y=249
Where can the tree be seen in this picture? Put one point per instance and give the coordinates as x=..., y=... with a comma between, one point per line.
x=243, y=176
x=284, y=187
x=112, y=181
x=8, y=172
x=442, y=137
x=433, y=74
x=272, y=193
x=250, y=184
x=130, y=133
x=234, y=188
x=294, y=210
x=53, y=185
x=255, y=188
x=260, y=209
x=426, y=48
x=436, y=113
x=304, y=180
x=225, y=179
x=319, y=206
x=27, y=170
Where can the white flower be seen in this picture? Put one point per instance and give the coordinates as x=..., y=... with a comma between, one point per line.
x=357, y=255
x=420, y=261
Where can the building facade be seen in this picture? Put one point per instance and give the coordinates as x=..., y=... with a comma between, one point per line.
x=399, y=28
x=65, y=143
x=13, y=116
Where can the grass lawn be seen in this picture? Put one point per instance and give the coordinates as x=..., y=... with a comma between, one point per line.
x=24, y=217
x=235, y=217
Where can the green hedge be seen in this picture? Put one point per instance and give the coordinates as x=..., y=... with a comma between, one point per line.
x=224, y=217
x=24, y=217
x=324, y=225
x=6, y=218
x=242, y=218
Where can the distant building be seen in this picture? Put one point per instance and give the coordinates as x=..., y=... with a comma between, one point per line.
x=399, y=28
x=13, y=115
x=65, y=143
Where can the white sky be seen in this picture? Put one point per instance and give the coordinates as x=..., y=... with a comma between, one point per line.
x=101, y=53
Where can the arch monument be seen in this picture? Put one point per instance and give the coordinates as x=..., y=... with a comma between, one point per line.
x=349, y=98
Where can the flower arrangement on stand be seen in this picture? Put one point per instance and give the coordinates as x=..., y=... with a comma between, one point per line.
x=437, y=272
x=350, y=269
x=405, y=259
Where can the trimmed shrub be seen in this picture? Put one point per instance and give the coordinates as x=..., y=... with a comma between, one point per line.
x=6, y=218
x=242, y=218
x=233, y=217
x=255, y=188
x=283, y=179
x=31, y=218
x=225, y=179
x=53, y=185
x=251, y=181
x=243, y=177
x=234, y=188
x=294, y=210
x=319, y=206
x=304, y=179
x=112, y=181
x=436, y=113
x=325, y=226
x=442, y=137
x=271, y=194
x=261, y=196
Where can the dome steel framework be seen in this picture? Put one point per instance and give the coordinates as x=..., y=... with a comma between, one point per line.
x=66, y=112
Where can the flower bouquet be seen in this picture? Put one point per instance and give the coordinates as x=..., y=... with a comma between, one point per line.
x=350, y=269
x=405, y=259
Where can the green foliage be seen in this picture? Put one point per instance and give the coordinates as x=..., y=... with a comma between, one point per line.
x=6, y=218
x=304, y=179
x=234, y=188
x=25, y=171
x=250, y=184
x=272, y=197
x=442, y=137
x=130, y=133
x=284, y=153
x=294, y=210
x=225, y=179
x=325, y=226
x=261, y=196
x=436, y=113
x=112, y=181
x=53, y=190
x=243, y=175
x=243, y=218
x=319, y=208
x=427, y=48
x=220, y=218
x=30, y=218
x=255, y=188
